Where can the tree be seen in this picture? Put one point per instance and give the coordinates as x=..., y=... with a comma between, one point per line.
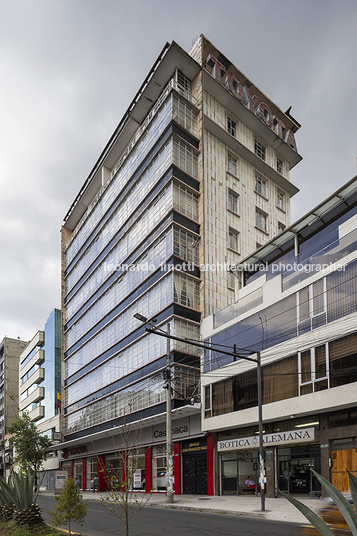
x=120, y=497
x=70, y=506
x=30, y=446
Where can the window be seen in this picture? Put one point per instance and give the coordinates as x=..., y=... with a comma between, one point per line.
x=233, y=201
x=279, y=165
x=261, y=186
x=280, y=200
x=231, y=127
x=313, y=370
x=281, y=227
x=312, y=306
x=259, y=149
x=232, y=164
x=208, y=401
x=233, y=239
x=261, y=220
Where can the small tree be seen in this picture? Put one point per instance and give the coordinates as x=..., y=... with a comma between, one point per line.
x=30, y=446
x=70, y=506
x=120, y=497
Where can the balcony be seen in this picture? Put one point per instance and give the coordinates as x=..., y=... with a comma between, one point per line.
x=37, y=413
x=36, y=395
x=37, y=359
x=37, y=377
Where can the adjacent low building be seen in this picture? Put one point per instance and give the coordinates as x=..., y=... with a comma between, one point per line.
x=298, y=308
x=10, y=350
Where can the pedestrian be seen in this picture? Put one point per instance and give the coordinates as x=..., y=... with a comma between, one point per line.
x=95, y=484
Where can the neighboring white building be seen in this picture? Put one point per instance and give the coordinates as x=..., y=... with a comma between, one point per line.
x=298, y=307
x=40, y=386
x=196, y=174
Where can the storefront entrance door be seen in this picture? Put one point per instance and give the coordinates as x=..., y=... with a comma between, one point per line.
x=195, y=474
x=343, y=460
x=294, y=475
x=230, y=477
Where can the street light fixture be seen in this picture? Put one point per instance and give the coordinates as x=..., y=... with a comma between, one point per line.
x=260, y=397
x=169, y=460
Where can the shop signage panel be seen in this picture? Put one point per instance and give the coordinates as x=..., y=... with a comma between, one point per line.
x=269, y=440
x=180, y=428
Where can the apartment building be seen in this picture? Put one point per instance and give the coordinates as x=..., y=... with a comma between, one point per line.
x=10, y=350
x=196, y=174
x=298, y=308
x=39, y=377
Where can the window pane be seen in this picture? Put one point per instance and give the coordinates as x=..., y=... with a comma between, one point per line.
x=305, y=366
x=261, y=220
x=261, y=186
x=231, y=127
x=318, y=291
x=304, y=304
x=320, y=361
x=232, y=201
x=232, y=164
x=280, y=380
x=259, y=149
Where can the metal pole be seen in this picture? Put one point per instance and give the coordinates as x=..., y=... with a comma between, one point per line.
x=261, y=446
x=169, y=464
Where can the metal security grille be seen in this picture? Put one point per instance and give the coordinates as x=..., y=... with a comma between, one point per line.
x=183, y=82
x=185, y=201
x=185, y=158
x=184, y=115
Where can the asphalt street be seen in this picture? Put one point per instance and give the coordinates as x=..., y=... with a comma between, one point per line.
x=151, y=521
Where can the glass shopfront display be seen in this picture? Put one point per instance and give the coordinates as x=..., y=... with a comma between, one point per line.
x=78, y=472
x=159, y=467
x=91, y=471
x=293, y=469
x=236, y=469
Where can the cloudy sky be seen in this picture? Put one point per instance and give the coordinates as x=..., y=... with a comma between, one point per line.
x=70, y=68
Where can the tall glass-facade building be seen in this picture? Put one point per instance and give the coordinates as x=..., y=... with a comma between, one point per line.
x=195, y=175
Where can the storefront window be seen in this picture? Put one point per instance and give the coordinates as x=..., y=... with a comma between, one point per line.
x=240, y=473
x=91, y=471
x=293, y=469
x=78, y=472
x=66, y=466
x=114, y=468
x=159, y=467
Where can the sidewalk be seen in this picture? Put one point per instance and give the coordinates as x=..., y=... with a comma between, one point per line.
x=246, y=505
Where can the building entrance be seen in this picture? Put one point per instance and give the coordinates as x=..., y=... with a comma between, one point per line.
x=293, y=468
x=194, y=467
x=344, y=459
x=195, y=474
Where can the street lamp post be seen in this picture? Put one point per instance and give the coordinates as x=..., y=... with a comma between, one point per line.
x=261, y=446
x=169, y=462
x=257, y=361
